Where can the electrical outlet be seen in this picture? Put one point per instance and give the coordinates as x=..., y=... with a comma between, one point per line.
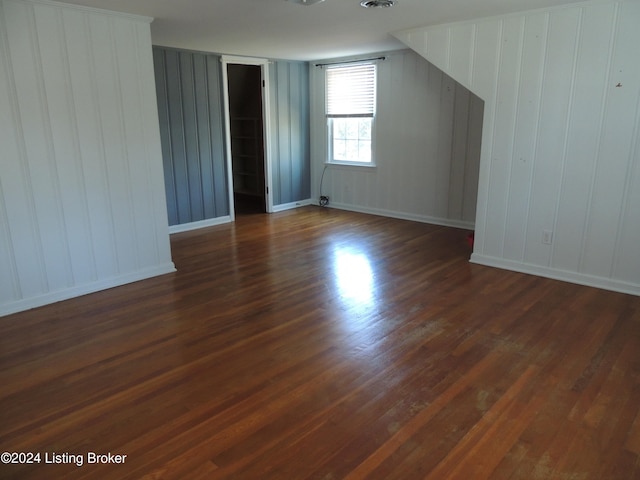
x=547, y=237
x=324, y=200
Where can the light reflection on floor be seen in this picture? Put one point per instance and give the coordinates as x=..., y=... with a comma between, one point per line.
x=355, y=280
x=357, y=307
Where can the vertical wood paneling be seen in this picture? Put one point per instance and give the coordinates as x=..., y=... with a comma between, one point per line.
x=397, y=130
x=424, y=154
x=160, y=73
x=77, y=200
x=178, y=162
x=135, y=95
x=216, y=130
x=446, y=123
x=487, y=50
x=285, y=181
x=508, y=79
x=386, y=127
x=131, y=130
x=18, y=199
x=610, y=176
x=438, y=45
x=64, y=144
x=188, y=101
x=560, y=137
x=275, y=143
x=190, y=112
x=33, y=112
x=433, y=86
x=289, y=144
x=110, y=106
x=294, y=123
x=555, y=105
x=9, y=279
x=151, y=142
x=279, y=148
x=627, y=261
x=9, y=290
x=486, y=59
x=525, y=132
x=472, y=155
x=299, y=115
x=204, y=138
x=594, y=43
x=82, y=74
x=461, y=52
x=415, y=99
x=459, y=151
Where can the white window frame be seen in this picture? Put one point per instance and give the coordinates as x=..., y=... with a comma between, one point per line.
x=348, y=114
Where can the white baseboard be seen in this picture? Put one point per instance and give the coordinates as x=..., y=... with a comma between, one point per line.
x=557, y=274
x=292, y=205
x=186, y=227
x=445, y=222
x=79, y=290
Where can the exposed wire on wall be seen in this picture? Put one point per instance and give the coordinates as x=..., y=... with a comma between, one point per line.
x=324, y=200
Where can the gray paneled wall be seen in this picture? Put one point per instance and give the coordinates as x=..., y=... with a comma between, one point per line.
x=427, y=146
x=188, y=88
x=191, y=115
x=290, y=131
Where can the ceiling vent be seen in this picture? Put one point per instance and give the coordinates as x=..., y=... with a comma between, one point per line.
x=378, y=3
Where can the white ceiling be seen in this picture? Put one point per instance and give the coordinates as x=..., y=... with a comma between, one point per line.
x=280, y=29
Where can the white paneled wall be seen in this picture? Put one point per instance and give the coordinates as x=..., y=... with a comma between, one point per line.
x=427, y=148
x=561, y=137
x=82, y=203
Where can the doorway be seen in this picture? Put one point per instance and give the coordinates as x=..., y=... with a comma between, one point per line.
x=247, y=135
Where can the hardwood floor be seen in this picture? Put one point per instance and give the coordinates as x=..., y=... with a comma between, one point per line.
x=323, y=344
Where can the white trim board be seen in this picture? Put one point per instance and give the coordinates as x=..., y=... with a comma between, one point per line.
x=211, y=222
x=444, y=222
x=79, y=290
x=289, y=206
x=263, y=63
x=557, y=274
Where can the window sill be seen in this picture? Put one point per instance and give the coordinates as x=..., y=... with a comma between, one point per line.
x=354, y=165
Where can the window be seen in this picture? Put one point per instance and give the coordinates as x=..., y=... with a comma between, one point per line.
x=350, y=110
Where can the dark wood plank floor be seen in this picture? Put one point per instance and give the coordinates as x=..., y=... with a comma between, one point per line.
x=323, y=344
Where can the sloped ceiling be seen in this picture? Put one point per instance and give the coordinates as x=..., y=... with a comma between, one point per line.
x=283, y=30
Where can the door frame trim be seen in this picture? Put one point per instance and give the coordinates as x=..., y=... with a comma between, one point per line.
x=266, y=125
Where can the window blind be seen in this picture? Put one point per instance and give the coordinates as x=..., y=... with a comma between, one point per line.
x=351, y=90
